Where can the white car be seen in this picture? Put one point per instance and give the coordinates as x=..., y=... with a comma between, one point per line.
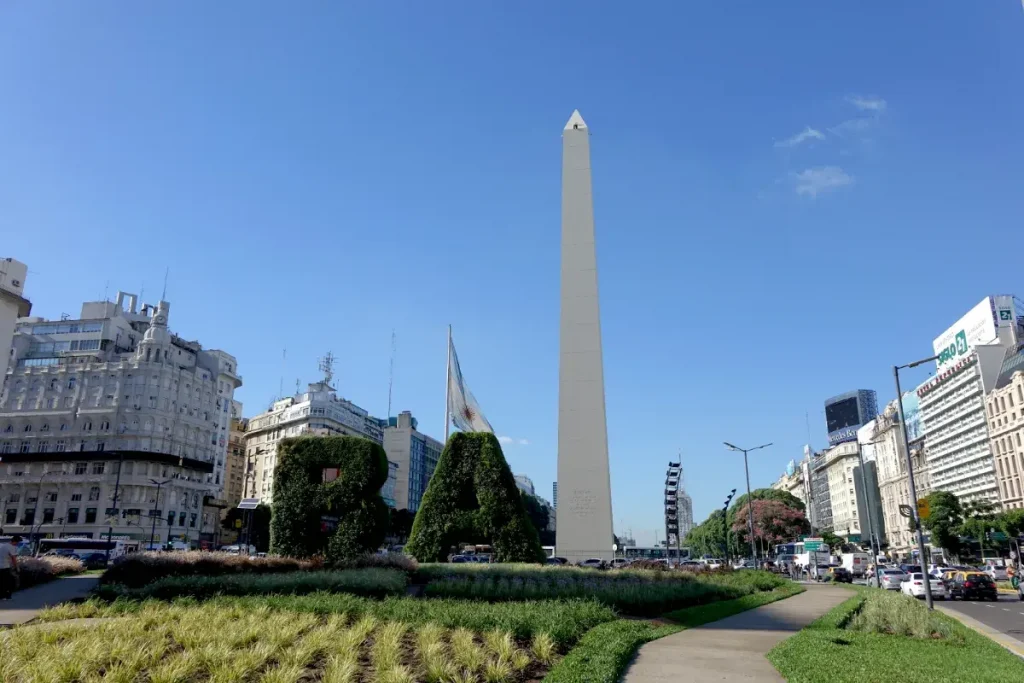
x=997, y=572
x=713, y=563
x=914, y=586
x=891, y=579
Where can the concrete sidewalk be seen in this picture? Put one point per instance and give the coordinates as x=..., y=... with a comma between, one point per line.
x=734, y=648
x=26, y=604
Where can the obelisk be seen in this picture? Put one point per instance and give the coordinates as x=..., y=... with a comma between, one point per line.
x=584, y=517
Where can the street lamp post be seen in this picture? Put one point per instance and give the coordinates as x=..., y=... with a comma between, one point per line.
x=750, y=501
x=725, y=522
x=117, y=490
x=910, y=476
x=156, y=508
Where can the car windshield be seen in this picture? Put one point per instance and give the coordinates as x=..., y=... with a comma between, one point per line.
x=892, y=572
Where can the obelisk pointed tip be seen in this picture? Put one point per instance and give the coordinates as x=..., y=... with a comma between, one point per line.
x=575, y=121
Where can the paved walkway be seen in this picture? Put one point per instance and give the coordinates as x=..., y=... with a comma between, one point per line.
x=26, y=604
x=732, y=649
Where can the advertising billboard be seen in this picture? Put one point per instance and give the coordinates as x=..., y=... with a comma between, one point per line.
x=912, y=414
x=846, y=413
x=979, y=326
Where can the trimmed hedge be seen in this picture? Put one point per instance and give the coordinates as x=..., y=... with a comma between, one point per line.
x=472, y=498
x=140, y=569
x=376, y=583
x=302, y=498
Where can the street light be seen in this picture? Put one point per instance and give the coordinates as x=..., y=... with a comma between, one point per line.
x=156, y=508
x=725, y=522
x=750, y=501
x=910, y=475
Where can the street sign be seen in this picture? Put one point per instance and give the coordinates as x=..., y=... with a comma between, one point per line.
x=906, y=511
x=249, y=504
x=238, y=524
x=813, y=544
x=924, y=510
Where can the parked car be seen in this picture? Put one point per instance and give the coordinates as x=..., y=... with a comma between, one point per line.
x=692, y=566
x=973, y=586
x=558, y=560
x=712, y=562
x=93, y=560
x=619, y=563
x=839, y=575
x=914, y=586
x=996, y=571
x=888, y=579
x=593, y=563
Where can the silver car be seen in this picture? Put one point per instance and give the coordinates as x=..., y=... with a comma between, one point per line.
x=890, y=579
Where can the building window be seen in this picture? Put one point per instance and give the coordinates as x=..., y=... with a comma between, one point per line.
x=29, y=518
x=26, y=446
x=90, y=515
x=47, y=515
x=11, y=516
x=45, y=427
x=71, y=383
x=51, y=497
x=14, y=498
x=75, y=497
x=81, y=467
x=72, y=517
x=99, y=467
x=44, y=446
x=181, y=519
x=100, y=445
x=94, y=493
x=170, y=518
x=192, y=521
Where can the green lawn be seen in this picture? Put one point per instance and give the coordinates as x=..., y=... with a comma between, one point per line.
x=855, y=643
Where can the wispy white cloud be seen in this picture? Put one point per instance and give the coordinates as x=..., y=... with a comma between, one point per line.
x=852, y=126
x=512, y=441
x=812, y=181
x=867, y=103
x=806, y=134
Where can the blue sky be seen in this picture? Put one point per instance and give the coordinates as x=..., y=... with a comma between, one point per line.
x=789, y=197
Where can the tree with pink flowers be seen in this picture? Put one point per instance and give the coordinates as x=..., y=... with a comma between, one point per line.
x=774, y=523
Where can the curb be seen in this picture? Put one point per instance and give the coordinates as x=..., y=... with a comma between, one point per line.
x=1009, y=642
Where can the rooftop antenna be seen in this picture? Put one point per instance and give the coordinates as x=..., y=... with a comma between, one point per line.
x=106, y=287
x=391, y=371
x=280, y=381
x=327, y=367
x=163, y=296
x=297, y=385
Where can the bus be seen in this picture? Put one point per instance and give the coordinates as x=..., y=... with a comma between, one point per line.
x=794, y=553
x=83, y=546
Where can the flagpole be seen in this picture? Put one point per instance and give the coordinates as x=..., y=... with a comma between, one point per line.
x=448, y=385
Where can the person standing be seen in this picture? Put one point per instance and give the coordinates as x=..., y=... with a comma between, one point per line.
x=8, y=565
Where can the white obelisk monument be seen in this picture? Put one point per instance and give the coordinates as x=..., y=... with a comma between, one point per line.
x=584, y=515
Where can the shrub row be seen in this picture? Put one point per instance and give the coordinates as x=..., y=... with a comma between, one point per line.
x=141, y=569
x=368, y=582
x=33, y=571
x=635, y=593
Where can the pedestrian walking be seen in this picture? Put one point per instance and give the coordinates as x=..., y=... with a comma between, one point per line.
x=8, y=566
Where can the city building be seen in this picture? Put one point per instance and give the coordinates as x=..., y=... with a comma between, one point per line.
x=525, y=484
x=554, y=495
x=13, y=305
x=883, y=439
x=387, y=492
x=819, y=490
x=235, y=463
x=585, y=517
x=970, y=360
x=838, y=464
x=416, y=455
x=792, y=481
x=318, y=411
x=846, y=413
x=114, y=402
x=1005, y=408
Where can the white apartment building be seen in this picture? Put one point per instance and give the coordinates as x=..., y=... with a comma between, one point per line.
x=1005, y=408
x=792, y=481
x=317, y=411
x=839, y=462
x=886, y=439
x=13, y=305
x=971, y=354
x=113, y=401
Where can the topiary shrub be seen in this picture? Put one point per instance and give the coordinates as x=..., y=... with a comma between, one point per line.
x=340, y=519
x=472, y=498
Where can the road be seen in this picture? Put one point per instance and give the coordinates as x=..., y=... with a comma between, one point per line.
x=1005, y=616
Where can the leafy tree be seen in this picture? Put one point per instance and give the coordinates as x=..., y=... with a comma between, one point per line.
x=401, y=524
x=774, y=522
x=945, y=521
x=836, y=544
x=708, y=537
x=1012, y=522
x=472, y=498
x=260, y=528
x=540, y=515
x=327, y=497
x=784, y=497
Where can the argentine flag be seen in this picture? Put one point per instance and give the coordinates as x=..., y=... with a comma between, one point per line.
x=463, y=409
